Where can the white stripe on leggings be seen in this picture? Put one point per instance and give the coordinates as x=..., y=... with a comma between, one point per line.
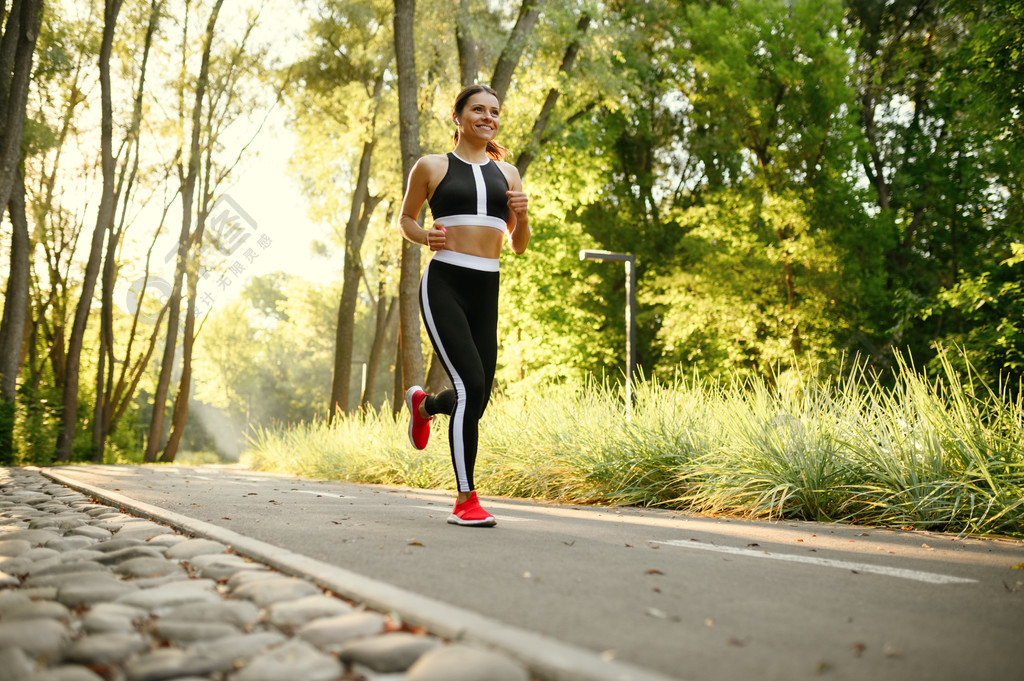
x=459, y=417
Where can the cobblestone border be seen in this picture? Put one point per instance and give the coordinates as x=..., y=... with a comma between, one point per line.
x=384, y=634
x=90, y=593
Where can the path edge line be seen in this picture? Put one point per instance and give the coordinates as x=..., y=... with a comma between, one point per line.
x=546, y=658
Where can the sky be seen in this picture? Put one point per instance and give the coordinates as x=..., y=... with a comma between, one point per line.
x=260, y=214
x=262, y=183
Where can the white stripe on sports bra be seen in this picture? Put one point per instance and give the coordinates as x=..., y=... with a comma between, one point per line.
x=481, y=220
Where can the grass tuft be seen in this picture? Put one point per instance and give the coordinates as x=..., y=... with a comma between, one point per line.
x=923, y=453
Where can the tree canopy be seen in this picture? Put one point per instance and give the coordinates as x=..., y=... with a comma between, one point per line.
x=801, y=182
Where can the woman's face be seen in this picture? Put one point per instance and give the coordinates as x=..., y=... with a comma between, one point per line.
x=479, y=116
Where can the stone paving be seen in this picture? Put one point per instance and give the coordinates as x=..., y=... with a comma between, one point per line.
x=88, y=593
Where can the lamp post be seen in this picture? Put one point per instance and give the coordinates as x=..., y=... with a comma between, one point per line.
x=630, y=261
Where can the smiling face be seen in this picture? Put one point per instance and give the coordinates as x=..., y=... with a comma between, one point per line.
x=479, y=116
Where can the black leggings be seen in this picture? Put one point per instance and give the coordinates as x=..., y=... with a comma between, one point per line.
x=459, y=303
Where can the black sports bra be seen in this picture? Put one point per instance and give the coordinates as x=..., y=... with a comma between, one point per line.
x=471, y=194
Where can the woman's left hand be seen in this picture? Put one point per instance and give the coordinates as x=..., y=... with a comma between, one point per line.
x=517, y=202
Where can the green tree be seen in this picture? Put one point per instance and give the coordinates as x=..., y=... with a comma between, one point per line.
x=939, y=88
x=263, y=357
x=728, y=173
x=17, y=47
x=343, y=115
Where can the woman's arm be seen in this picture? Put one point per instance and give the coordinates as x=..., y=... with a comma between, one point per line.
x=415, y=195
x=518, y=219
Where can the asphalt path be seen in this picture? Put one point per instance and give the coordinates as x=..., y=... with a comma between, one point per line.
x=693, y=597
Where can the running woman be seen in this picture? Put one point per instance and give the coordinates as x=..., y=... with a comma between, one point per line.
x=477, y=202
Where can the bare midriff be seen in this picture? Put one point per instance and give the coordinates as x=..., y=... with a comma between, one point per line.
x=484, y=242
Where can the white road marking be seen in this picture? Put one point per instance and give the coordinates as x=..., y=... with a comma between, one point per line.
x=916, y=575
x=319, y=494
x=503, y=518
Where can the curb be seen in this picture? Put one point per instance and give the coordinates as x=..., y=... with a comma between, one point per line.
x=546, y=658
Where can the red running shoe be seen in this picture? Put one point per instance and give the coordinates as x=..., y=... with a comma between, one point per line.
x=419, y=427
x=469, y=512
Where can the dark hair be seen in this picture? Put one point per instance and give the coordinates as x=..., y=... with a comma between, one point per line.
x=494, y=150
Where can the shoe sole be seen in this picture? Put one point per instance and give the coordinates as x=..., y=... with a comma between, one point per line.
x=486, y=522
x=408, y=403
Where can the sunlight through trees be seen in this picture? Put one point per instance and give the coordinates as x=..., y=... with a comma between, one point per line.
x=801, y=182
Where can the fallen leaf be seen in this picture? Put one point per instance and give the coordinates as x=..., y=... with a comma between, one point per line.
x=1018, y=566
x=863, y=534
x=570, y=543
x=753, y=544
x=655, y=572
x=823, y=667
x=709, y=622
x=859, y=648
x=415, y=543
x=225, y=518
x=800, y=540
x=737, y=642
x=660, y=614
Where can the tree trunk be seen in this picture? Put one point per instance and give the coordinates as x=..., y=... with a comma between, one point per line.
x=104, y=219
x=466, y=46
x=188, y=186
x=437, y=377
x=409, y=136
x=104, y=407
x=387, y=313
x=398, y=396
x=542, y=120
x=16, y=50
x=362, y=208
x=12, y=328
x=509, y=58
x=179, y=414
x=105, y=351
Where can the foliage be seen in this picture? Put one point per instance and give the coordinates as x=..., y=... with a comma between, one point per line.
x=253, y=351
x=986, y=314
x=800, y=182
